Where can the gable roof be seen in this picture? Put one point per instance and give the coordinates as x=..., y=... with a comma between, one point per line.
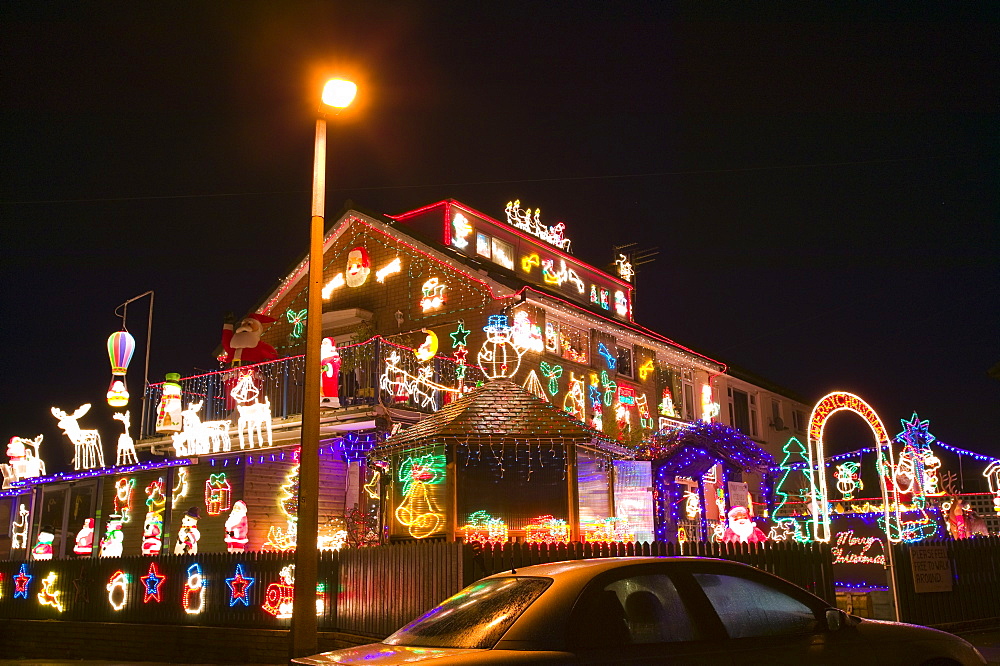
x=499, y=408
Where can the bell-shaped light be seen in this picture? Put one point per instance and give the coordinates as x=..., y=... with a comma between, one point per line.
x=120, y=347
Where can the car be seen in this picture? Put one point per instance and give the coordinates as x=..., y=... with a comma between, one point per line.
x=644, y=610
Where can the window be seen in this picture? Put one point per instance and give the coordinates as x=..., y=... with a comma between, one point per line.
x=635, y=610
x=743, y=411
x=503, y=253
x=483, y=245
x=552, y=337
x=750, y=608
x=798, y=420
x=624, y=361
x=688, y=384
x=575, y=344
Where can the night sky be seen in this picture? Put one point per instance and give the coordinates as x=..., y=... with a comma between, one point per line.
x=822, y=185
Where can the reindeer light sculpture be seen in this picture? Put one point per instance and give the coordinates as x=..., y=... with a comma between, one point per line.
x=88, y=451
x=126, y=445
x=204, y=437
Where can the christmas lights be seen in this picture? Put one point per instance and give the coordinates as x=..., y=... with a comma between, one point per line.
x=279, y=539
x=121, y=345
x=118, y=590
x=84, y=543
x=193, y=594
x=625, y=270
x=709, y=407
x=123, y=499
x=499, y=357
x=19, y=530
x=24, y=462
x=646, y=368
x=533, y=385
x=621, y=303
x=419, y=511
x=358, y=267
x=849, y=549
x=180, y=489
x=152, y=581
x=546, y=529
x=49, y=595
x=254, y=417
x=530, y=261
x=239, y=587
x=278, y=596
x=552, y=373
x=573, y=401
x=88, y=452
x=391, y=268
x=460, y=231
x=43, y=548
x=335, y=283
x=848, y=479
x=203, y=437
x=523, y=220
x=428, y=349
x=525, y=334
x=419, y=388
x=218, y=494
x=609, y=358
x=188, y=535
x=992, y=474
x=297, y=320
x=608, y=530
x=433, y=294
x=113, y=541
x=485, y=528
x=21, y=582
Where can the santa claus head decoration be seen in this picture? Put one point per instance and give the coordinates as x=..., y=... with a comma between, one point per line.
x=358, y=267
x=241, y=342
x=741, y=528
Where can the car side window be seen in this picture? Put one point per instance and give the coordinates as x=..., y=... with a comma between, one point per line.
x=751, y=608
x=636, y=610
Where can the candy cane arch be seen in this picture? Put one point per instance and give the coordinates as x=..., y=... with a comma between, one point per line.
x=831, y=404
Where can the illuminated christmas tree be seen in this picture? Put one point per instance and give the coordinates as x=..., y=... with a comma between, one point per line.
x=790, y=489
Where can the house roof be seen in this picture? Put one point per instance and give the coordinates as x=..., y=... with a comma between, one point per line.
x=500, y=409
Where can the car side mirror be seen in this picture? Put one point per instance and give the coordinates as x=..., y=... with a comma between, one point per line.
x=834, y=619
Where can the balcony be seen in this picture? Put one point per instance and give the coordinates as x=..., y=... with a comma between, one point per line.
x=376, y=376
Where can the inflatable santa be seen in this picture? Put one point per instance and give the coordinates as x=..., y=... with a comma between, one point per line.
x=741, y=529
x=242, y=343
x=329, y=373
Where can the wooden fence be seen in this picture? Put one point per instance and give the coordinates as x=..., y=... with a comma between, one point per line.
x=975, y=577
x=370, y=591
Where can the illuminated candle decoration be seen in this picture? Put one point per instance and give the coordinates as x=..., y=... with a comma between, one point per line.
x=278, y=596
x=625, y=270
x=390, y=268
x=433, y=294
x=552, y=373
x=609, y=358
x=421, y=477
x=21, y=582
x=335, y=283
x=609, y=530
x=546, y=529
x=485, y=528
x=218, y=494
x=297, y=320
x=499, y=357
x=645, y=369
x=152, y=582
x=461, y=231
x=168, y=412
x=358, y=267
x=121, y=345
x=239, y=587
x=193, y=595
x=428, y=348
x=118, y=590
x=49, y=595
x=848, y=477
x=573, y=401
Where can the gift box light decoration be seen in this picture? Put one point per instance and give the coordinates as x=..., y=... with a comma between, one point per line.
x=218, y=494
x=485, y=528
x=193, y=594
x=118, y=590
x=422, y=477
x=152, y=582
x=88, y=452
x=21, y=582
x=121, y=345
x=609, y=530
x=546, y=529
x=239, y=587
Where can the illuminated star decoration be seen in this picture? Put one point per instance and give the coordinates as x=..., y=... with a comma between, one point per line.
x=915, y=432
x=239, y=586
x=152, y=582
x=460, y=338
x=297, y=320
x=21, y=582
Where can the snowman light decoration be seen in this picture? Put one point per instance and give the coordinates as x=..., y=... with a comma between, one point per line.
x=43, y=549
x=499, y=357
x=189, y=534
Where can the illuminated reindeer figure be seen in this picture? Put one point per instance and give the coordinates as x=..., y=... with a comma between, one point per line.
x=204, y=436
x=126, y=445
x=88, y=451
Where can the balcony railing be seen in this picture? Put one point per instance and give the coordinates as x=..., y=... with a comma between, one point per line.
x=370, y=372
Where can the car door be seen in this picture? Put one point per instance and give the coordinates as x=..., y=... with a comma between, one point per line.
x=769, y=621
x=635, y=615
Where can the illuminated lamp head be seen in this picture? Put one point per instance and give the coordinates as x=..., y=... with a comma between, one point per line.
x=358, y=267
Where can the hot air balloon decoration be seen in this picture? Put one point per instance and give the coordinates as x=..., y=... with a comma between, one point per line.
x=121, y=344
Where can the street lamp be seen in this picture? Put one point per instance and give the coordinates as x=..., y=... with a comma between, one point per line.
x=337, y=94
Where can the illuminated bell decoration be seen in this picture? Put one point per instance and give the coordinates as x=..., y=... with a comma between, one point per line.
x=121, y=344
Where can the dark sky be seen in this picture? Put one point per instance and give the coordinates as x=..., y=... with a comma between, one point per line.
x=822, y=185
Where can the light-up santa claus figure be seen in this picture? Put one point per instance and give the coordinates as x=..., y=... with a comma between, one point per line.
x=189, y=534
x=236, y=528
x=329, y=374
x=741, y=529
x=43, y=549
x=84, y=545
x=242, y=344
x=358, y=267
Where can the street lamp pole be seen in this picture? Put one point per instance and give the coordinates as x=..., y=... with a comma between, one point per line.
x=303, y=625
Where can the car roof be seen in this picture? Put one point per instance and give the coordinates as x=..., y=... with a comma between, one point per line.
x=593, y=566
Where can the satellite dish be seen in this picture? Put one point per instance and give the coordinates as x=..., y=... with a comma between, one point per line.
x=778, y=424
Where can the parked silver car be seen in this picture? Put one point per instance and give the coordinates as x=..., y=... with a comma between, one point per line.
x=644, y=610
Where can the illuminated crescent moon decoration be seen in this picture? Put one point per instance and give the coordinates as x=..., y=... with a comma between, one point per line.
x=428, y=349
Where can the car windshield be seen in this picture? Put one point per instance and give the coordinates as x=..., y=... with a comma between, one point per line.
x=476, y=617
